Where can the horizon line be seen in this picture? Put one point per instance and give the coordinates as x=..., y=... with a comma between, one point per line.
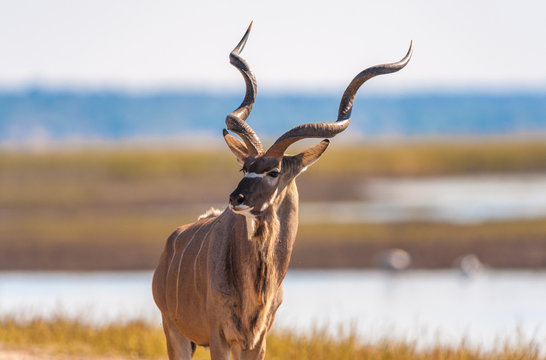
x=289, y=91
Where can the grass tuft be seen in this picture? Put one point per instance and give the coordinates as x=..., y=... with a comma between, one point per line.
x=71, y=336
x=139, y=339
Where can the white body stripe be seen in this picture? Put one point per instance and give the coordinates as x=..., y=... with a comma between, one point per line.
x=212, y=226
x=180, y=264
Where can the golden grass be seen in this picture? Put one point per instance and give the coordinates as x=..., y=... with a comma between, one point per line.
x=96, y=176
x=108, y=227
x=406, y=159
x=142, y=340
x=413, y=232
x=426, y=159
x=137, y=195
x=63, y=335
x=122, y=196
x=92, y=227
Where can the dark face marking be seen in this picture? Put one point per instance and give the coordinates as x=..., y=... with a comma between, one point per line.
x=261, y=165
x=264, y=176
x=258, y=188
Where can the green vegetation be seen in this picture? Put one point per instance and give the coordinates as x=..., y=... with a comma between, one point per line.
x=128, y=177
x=125, y=176
x=141, y=227
x=426, y=159
x=406, y=159
x=139, y=339
x=114, y=208
x=124, y=239
x=424, y=232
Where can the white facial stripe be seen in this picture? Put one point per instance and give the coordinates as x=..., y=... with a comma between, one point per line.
x=254, y=175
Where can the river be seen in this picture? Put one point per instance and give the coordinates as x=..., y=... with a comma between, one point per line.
x=455, y=199
x=426, y=306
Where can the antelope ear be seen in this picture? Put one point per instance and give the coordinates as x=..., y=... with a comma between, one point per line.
x=310, y=155
x=237, y=147
x=307, y=157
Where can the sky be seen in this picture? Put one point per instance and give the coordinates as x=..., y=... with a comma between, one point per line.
x=306, y=45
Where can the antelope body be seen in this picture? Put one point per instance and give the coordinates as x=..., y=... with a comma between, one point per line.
x=218, y=282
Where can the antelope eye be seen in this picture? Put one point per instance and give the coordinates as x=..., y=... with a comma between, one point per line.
x=273, y=173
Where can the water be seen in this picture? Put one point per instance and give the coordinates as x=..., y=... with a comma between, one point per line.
x=463, y=199
x=423, y=305
x=43, y=116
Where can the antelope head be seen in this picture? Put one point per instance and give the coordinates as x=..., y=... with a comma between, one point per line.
x=267, y=172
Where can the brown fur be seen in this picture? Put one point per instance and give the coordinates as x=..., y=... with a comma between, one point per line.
x=217, y=288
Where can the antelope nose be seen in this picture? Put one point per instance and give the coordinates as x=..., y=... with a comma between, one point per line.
x=236, y=199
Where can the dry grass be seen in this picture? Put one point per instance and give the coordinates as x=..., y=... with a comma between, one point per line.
x=133, y=178
x=96, y=202
x=122, y=240
x=63, y=335
x=152, y=226
x=403, y=159
x=141, y=340
x=424, y=232
x=448, y=158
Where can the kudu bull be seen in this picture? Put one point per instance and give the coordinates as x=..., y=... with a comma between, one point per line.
x=218, y=282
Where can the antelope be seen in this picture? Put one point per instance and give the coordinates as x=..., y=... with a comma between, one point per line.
x=218, y=282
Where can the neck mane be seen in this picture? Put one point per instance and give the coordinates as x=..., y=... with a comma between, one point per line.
x=260, y=252
x=255, y=266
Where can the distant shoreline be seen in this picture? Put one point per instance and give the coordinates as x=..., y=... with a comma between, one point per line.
x=504, y=245
x=113, y=210
x=36, y=116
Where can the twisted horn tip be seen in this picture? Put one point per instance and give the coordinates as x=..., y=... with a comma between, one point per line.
x=241, y=45
x=410, y=51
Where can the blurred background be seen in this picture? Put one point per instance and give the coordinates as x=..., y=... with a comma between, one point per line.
x=429, y=211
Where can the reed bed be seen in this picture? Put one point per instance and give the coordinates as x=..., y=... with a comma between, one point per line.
x=389, y=159
x=97, y=239
x=113, y=208
x=141, y=340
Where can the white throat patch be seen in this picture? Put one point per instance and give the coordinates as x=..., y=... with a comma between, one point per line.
x=242, y=210
x=250, y=226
